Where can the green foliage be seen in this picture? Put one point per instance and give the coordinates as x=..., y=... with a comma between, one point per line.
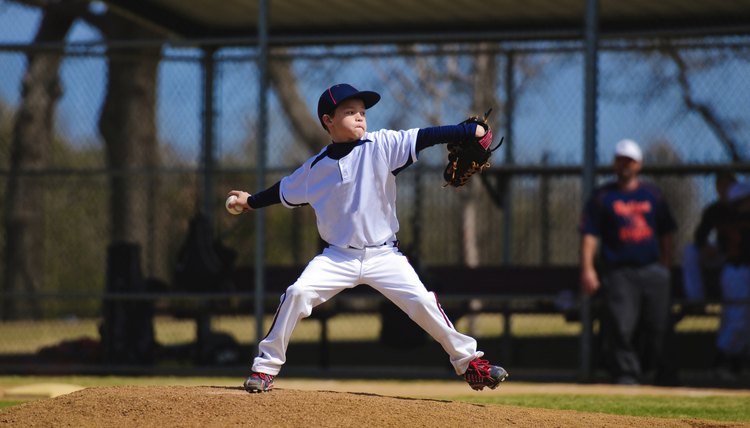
x=75, y=227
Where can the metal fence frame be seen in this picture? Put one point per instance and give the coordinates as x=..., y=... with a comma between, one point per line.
x=588, y=171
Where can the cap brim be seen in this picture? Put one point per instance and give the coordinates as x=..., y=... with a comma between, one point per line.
x=370, y=98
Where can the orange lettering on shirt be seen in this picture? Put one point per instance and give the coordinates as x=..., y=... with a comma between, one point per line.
x=635, y=229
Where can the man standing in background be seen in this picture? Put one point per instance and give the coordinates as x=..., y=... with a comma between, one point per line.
x=705, y=255
x=733, y=338
x=629, y=225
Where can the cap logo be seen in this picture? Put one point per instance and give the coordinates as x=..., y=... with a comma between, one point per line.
x=330, y=94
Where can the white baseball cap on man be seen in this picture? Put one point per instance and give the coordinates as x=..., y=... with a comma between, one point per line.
x=629, y=149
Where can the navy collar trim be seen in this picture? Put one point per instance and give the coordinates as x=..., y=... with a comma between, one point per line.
x=337, y=151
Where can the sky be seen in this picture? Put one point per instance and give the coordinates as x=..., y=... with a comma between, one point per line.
x=548, y=118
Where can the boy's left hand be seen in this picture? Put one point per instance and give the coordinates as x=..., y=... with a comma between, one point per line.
x=466, y=158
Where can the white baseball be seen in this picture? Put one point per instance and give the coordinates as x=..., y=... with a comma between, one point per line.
x=234, y=209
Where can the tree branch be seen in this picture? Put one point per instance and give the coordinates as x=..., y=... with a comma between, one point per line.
x=704, y=110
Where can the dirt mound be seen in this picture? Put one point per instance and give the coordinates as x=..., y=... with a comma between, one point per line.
x=201, y=406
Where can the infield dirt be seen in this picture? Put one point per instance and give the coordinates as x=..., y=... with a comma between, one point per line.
x=295, y=405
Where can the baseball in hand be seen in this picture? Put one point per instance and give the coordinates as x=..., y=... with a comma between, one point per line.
x=231, y=207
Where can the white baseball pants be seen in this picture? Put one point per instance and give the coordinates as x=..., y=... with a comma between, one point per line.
x=387, y=271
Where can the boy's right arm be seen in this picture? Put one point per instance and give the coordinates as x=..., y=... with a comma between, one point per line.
x=261, y=199
x=266, y=197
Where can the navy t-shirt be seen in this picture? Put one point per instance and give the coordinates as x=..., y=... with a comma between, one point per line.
x=628, y=223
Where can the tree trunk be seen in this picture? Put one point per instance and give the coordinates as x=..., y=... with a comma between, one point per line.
x=306, y=126
x=484, y=97
x=32, y=137
x=128, y=125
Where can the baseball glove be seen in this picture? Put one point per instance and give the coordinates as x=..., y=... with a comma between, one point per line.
x=466, y=158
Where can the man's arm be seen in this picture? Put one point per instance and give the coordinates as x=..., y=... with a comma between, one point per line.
x=589, y=278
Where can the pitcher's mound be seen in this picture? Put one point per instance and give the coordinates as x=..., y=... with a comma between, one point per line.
x=203, y=406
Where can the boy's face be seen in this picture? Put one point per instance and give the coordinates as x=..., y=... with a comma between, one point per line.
x=347, y=123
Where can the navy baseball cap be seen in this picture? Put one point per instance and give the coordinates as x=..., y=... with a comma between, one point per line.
x=334, y=95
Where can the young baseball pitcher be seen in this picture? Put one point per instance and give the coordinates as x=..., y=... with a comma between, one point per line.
x=351, y=185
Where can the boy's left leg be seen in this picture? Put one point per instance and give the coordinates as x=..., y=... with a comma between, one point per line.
x=324, y=277
x=389, y=272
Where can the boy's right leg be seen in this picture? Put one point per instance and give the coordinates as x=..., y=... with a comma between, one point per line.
x=392, y=275
x=481, y=373
x=325, y=276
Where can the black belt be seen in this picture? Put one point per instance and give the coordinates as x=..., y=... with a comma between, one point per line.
x=627, y=265
x=394, y=244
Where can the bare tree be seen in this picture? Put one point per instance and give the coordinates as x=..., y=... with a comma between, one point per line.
x=706, y=112
x=32, y=137
x=128, y=125
x=306, y=126
x=485, y=81
x=679, y=191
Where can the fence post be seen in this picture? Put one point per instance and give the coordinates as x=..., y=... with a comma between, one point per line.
x=260, y=215
x=509, y=160
x=589, y=158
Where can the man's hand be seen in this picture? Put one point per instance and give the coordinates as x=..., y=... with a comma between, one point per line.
x=589, y=281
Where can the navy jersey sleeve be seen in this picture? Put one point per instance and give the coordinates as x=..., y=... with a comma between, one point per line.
x=266, y=197
x=427, y=137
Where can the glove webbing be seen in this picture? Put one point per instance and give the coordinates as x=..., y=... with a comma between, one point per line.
x=475, y=167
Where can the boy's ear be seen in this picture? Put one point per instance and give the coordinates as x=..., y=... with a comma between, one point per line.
x=327, y=120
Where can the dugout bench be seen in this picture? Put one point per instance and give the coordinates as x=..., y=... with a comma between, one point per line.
x=461, y=291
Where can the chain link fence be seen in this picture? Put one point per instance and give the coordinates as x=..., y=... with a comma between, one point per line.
x=683, y=100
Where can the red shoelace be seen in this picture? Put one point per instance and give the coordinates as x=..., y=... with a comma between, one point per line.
x=482, y=367
x=265, y=377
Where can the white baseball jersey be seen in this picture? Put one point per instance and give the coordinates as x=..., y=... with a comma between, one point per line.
x=354, y=197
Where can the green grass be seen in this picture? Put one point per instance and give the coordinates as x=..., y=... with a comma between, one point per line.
x=730, y=408
x=4, y=404
x=31, y=336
